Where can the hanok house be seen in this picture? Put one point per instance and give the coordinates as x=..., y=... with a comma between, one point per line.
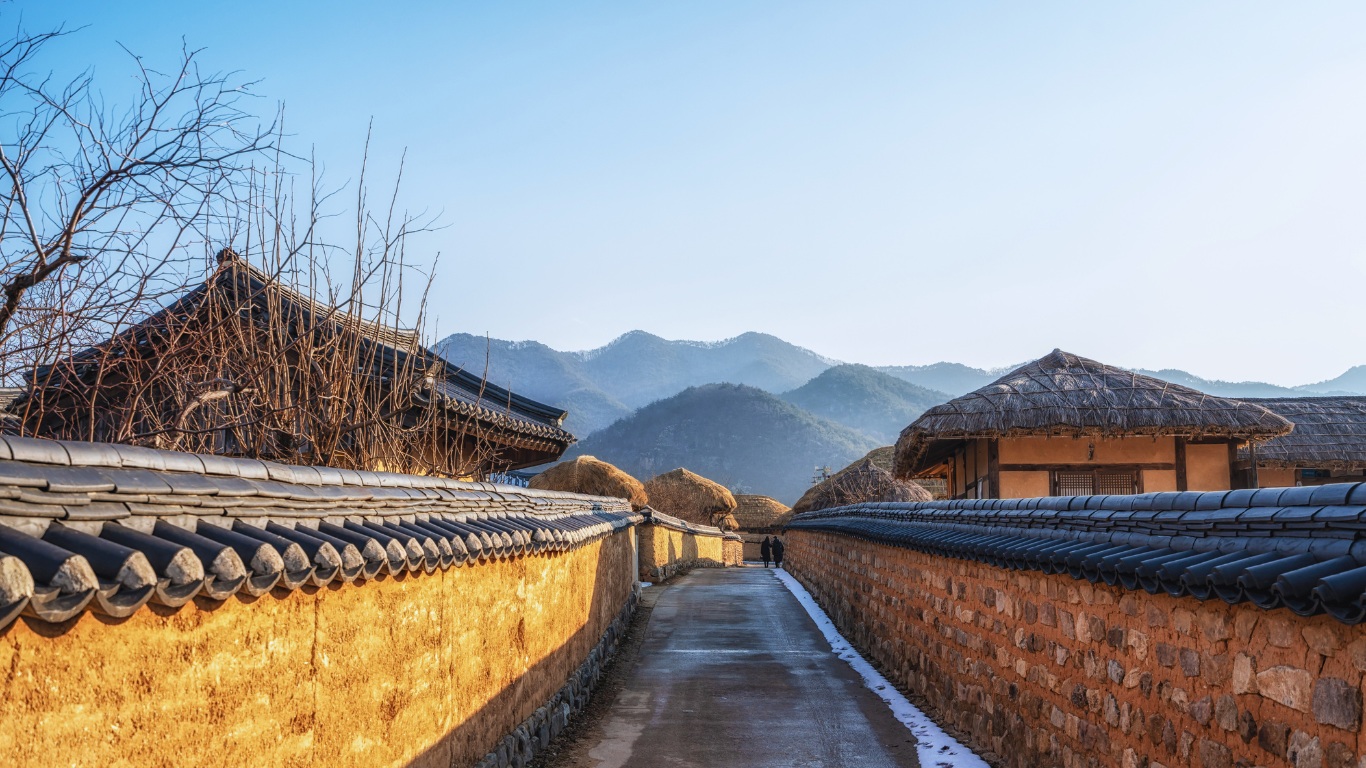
x=1328, y=444
x=1064, y=425
x=245, y=366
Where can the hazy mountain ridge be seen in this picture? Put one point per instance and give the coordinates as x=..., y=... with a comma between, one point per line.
x=739, y=436
x=602, y=385
x=878, y=404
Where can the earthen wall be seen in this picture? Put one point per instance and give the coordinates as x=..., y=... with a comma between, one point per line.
x=666, y=551
x=415, y=670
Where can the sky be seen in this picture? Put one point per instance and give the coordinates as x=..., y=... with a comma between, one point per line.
x=1160, y=184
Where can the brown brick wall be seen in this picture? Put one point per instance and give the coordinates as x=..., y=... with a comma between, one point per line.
x=1046, y=670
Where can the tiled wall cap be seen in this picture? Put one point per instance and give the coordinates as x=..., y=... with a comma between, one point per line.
x=240, y=525
x=1302, y=541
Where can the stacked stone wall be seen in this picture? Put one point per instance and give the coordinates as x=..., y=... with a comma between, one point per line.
x=1046, y=670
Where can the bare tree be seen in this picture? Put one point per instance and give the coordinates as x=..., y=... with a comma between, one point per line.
x=107, y=209
x=290, y=345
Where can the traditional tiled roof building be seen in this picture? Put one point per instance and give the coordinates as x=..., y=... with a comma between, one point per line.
x=243, y=365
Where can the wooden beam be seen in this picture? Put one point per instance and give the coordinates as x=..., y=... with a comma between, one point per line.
x=1082, y=467
x=994, y=468
x=1180, y=463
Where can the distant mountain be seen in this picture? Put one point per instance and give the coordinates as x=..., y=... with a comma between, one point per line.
x=739, y=436
x=1353, y=382
x=602, y=385
x=866, y=399
x=539, y=372
x=1220, y=388
x=954, y=378
x=640, y=368
x=958, y=379
x=599, y=386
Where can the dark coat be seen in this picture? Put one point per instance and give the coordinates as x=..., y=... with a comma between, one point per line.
x=778, y=550
x=764, y=549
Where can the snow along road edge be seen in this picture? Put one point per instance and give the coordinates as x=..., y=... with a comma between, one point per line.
x=933, y=745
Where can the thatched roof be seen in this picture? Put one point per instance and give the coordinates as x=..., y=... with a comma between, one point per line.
x=691, y=497
x=753, y=511
x=1062, y=394
x=857, y=484
x=593, y=477
x=1330, y=433
x=882, y=458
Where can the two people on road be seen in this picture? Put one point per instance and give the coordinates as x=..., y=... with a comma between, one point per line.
x=772, y=548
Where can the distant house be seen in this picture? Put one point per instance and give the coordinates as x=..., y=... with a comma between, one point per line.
x=1064, y=425
x=245, y=366
x=1328, y=444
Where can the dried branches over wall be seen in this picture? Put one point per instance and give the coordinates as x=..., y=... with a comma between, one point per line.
x=122, y=327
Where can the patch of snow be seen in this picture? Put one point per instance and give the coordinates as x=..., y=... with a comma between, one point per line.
x=645, y=584
x=935, y=748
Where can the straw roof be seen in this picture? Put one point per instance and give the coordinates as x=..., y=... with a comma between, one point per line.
x=859, y=483
x=594, y=477
x=1063, y=394
x=882, y=458
x=691, y=497
x=1330, y=433
x=753, y=511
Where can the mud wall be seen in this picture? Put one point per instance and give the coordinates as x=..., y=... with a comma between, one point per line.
x=667, y=550
x=418, y=669
x=1047, y=670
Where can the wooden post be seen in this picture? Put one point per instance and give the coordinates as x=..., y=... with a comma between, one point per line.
x=994, y=468
x=1252, y=465
x=1181, y=464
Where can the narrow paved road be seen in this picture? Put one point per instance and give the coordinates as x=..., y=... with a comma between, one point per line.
x=733, y=672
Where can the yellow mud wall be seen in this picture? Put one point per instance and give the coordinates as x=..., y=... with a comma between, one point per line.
x=1024, y=485
x=660, y=546
x=710, y=549
x=1275, y=478
x=1207, y=468
x=418, y=670
x=664, y=551
x=1067, y=450
x=1159, y=480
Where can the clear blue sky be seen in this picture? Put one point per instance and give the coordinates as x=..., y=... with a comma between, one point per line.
x=1151, y=184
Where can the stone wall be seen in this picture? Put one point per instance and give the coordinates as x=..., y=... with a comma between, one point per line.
x=669, y=546
x=1046, y=669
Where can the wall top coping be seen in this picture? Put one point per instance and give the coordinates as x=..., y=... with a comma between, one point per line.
x=109, y=528
x=1296, y=548
x=655, y=517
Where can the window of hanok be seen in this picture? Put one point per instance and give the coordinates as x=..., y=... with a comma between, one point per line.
x=1088, y=482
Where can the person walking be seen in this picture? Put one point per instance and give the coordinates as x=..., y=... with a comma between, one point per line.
x=765, y=549
x=777, y=552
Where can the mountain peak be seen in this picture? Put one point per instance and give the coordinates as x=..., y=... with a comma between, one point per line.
x=733, y=434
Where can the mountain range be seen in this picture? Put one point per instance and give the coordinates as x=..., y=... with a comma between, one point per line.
x=740, y=436
x=754, y=412
x=602, y=385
